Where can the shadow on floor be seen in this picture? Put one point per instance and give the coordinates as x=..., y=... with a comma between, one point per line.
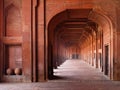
x=57, y=77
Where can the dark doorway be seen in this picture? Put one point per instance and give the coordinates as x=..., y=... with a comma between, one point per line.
x=106, y=59
x=50, y=62
x=75, y=56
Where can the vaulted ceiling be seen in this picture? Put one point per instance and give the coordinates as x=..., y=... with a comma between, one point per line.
x=77, y=28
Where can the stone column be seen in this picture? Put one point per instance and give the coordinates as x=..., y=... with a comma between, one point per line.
x=116, y=50
x=96, y=49
x=1, y=28
x=92, y=51
x=35, y=4
x=41, y=71
x=27, y=46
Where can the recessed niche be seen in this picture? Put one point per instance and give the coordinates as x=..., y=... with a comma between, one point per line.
x=13, y=58
x=13, y=21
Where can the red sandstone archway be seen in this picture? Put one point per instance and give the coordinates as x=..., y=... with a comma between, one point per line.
x=93, y=26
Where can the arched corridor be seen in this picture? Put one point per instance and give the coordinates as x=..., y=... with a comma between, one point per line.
x=80, y=34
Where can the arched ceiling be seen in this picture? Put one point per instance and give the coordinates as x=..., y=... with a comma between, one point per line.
x=76, y=31
x=74, y=26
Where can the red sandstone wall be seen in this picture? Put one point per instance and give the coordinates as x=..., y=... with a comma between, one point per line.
x=54, y=7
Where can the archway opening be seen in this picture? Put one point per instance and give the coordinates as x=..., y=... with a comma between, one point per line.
x=79, y=34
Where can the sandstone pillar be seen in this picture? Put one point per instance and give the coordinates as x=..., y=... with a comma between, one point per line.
x=116, y=52
x=1, y=28
x=27, y=46
x=41, y=41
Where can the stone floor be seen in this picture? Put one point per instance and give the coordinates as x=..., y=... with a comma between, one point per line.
x=71, y=75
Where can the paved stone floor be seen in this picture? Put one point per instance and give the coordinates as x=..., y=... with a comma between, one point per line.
x=71, y=75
